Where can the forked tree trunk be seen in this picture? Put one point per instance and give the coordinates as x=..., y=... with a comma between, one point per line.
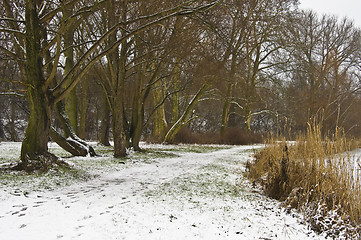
x=137, y=122
x=35, y=143
x=117, y=72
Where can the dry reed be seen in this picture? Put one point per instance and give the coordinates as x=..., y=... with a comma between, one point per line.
x=317, y=175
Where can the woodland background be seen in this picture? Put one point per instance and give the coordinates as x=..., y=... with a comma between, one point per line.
x=191, y=71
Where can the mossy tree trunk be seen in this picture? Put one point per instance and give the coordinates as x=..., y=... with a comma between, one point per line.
x=137, y=122
x=120, y=140
x=160, y=124
x=117, y=73
x=70, y=142
x=35, y=142
x=176, y=89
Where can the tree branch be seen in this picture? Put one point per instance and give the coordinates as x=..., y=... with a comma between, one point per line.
x=70, y=80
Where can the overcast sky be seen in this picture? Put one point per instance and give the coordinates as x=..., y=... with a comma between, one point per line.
x=349, y=8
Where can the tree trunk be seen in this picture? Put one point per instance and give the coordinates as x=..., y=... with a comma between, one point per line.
x=68, y=144
x=83, y=109
x=71, y=108
x=37, y=132
x=160, y=123
x=35, y=143
x=117, y=74
x=2, y=133
x=247, y=118
x=71, y=101
x=175, y=102
x=82, y=148
x=226, y=109
x=105, y=124
x=137, y=120
x=137, y=125
x=12, y=123
x=184, y=119
x=118, y=128
x=229, y=96
x=34, y=149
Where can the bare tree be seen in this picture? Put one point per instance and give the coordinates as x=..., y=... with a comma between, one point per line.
x=43, y=31
x=323, y=69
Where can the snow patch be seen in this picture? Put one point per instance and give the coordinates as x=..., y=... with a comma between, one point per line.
x=188, y=195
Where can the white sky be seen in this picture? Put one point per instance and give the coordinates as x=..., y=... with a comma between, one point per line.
x=349, y=8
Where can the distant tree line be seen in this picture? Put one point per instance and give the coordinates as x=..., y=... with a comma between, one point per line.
x=124, y=70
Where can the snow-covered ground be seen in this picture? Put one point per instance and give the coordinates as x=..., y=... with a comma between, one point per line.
x=180, y=195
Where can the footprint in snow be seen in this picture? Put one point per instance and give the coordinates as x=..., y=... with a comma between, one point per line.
x=38, y=203
x=20, y=209
x=79, y=227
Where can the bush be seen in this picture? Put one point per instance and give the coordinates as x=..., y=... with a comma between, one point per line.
x=237, y=136
x=185, y=135
x=316, y=175
x=232, y=136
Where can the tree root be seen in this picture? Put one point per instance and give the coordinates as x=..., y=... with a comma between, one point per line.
x=37, y=164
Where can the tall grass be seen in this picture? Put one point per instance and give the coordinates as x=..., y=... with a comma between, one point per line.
x=317, y=175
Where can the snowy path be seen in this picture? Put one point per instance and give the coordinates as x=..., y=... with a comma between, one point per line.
x=194, y=196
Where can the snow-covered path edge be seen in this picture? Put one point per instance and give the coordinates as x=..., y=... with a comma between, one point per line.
x=194, y=196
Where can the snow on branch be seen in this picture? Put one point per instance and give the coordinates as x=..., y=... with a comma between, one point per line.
x=12, y=94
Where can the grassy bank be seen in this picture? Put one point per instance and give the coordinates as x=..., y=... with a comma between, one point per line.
x=320, y=176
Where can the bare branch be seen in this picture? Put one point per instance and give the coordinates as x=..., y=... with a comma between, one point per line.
x=12, y=94
x=55, y=65
x=12, y=31
x=62, y=90
x=12, y=20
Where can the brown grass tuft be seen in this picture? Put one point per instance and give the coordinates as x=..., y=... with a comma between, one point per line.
x=316, y=175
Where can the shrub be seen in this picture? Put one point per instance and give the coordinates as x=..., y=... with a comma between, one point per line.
x=317, y=176
x=237, y=136
x=232, y=136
